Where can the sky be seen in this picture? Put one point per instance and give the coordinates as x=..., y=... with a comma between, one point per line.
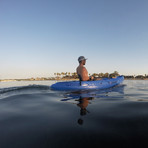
x=41, y=37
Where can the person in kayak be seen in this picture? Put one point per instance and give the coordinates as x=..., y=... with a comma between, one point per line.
x=82, y=71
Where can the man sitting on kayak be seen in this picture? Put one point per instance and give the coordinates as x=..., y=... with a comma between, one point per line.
x=82, y=71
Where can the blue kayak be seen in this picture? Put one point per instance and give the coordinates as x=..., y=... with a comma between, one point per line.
x=87, y=85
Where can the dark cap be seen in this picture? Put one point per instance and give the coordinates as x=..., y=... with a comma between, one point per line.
x=81, y=58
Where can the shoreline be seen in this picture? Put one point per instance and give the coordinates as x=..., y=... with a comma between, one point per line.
x=59, y=79
x=13, y=80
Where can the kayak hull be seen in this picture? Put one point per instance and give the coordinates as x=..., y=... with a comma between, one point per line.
x=87, y=85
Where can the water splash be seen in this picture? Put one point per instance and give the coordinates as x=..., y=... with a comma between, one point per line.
x=5, y=92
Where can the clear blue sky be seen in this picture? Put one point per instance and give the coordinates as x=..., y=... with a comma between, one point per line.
x=40, y=37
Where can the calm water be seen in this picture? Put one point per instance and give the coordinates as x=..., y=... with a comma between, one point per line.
x=34, y=116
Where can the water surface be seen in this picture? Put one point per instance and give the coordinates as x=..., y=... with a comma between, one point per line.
x=34, y=116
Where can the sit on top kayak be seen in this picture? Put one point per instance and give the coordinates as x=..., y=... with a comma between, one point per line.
x=87, y=85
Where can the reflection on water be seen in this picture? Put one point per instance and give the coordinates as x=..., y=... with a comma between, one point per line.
x=83, y=103
x=83, y=98
x=95, y=93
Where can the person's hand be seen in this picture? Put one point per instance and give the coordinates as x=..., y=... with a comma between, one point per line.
x=91, y=78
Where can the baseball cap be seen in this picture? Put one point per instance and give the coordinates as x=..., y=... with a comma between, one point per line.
x=81, y=58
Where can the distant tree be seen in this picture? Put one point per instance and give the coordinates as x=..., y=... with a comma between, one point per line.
x=65, y=73
x=58, y=74
x=94, y=74
x=74, y=75
x=129, y=77
x=114, y=74
x=62, y=74
x=106, y=75
x=55, y=74
x=100, y=75
x=140, y=77
x=68, y=73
